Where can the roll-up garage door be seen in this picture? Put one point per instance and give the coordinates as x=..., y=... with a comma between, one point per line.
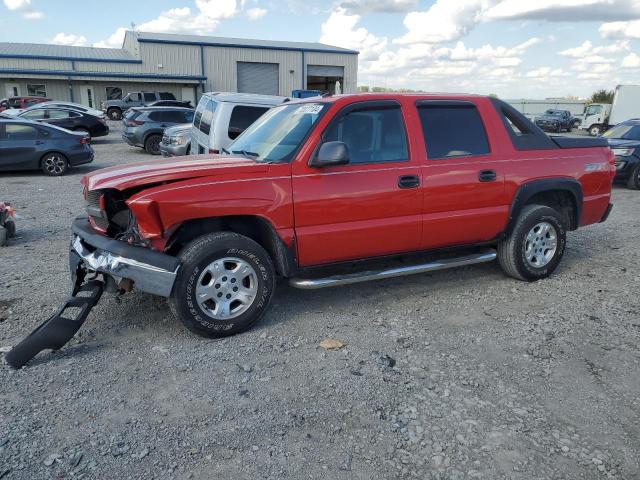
x=324, y=71
x=258, y=78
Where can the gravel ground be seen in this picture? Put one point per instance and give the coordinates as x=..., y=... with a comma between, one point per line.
x=451, y=375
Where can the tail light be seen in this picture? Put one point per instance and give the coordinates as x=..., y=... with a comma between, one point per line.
x=84, y=140
x=213, y=150
x=134, y=123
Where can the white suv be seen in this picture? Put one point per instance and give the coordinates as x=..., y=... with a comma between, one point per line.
x=221, y=117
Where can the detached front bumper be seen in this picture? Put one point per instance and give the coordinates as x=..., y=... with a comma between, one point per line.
x=151, y=271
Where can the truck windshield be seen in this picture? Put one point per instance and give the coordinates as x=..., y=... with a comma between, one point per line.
x=276, y=135
x=594, y=110
x=626, y=132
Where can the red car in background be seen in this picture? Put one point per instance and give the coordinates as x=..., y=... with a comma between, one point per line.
x=21, y=102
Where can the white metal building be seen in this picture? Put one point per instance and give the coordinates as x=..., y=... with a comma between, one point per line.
x=185, y=65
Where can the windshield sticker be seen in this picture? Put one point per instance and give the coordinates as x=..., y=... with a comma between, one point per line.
x=313, y=108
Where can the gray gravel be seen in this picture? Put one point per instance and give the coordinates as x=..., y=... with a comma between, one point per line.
x=451, y=375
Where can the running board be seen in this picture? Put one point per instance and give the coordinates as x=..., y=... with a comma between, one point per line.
x=347, y=279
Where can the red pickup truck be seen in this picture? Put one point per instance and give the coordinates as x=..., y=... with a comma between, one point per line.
x=332, y=191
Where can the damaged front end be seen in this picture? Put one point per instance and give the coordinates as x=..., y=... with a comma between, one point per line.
x=99, y=262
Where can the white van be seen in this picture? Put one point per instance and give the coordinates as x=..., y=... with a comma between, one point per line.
x=221, y=117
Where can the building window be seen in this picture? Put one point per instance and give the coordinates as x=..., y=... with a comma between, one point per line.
x=36, y=90
x=113, y=93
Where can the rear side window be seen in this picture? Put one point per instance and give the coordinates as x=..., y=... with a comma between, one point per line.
x=241, y=117
x=20, y=132
x=372, y=135
x=157, y=116
x=149, y=96
x=453, y=131
x=176, y=116
x=166, y=96
x=207, y=117
x=58, y=114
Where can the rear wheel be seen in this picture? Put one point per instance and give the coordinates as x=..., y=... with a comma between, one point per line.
x=54, y=164
x=634, y=180
x=114, y=114
x=536, y=245
x=224, y=285
x=152, y=144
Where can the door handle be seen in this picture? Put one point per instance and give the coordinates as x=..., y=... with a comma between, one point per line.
x=487, y=176
x=408, y=181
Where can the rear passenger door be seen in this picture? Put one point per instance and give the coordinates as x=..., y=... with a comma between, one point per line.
x=369, y=207
x=463, y=175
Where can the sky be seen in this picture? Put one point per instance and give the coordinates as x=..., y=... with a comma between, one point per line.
x=512, y=48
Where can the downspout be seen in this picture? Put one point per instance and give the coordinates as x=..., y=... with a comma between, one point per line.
x=202, y=82
x=302, y=82
x=73, y=67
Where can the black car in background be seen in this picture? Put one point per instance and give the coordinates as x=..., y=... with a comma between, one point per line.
x=624, y=140
x=28, y=145
x=144, y=126
x=171, y=103
x=69, y=119
x=555, y=121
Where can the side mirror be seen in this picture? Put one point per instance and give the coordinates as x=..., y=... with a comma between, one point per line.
x=330, y=154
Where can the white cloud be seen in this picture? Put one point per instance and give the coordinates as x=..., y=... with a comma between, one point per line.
x=256, y=13
x=114, y=41
x=565, y=10
x=630, y=29
x=587, y=48
x=25, y=7
x=631, y=61
x=443, y=21
x=69, y=39
x=181, y=20
x=545, y=72
x=385, y=6
x=341, y=30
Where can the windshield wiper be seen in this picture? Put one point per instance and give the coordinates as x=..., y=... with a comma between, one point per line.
x=246, y=153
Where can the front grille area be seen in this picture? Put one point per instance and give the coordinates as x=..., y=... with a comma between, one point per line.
x=93, y=207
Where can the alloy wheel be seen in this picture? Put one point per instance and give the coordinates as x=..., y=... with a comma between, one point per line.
x=54, y=164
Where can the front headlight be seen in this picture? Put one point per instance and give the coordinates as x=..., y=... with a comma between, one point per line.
x=622, y=152
x=178, y=139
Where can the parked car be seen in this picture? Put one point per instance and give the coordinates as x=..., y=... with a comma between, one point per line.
x=322, y=183
x=115, y=108
x=624, y=140
x=144, y=126
x=222, y=117
x=72, y=106
x=555, y=121
x=69, y=119
x=28, y=145
x=176, y=141
x=20, y=102
x=171, y=103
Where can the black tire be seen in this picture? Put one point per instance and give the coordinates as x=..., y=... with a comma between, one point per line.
x=152, y=144
x=634, y=180
x=54, y=164
x=10, y=226
x=195, y=258
x=595, y=130
x=512, y=251
x=114, y=114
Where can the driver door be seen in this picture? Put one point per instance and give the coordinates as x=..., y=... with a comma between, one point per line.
x=369, y=207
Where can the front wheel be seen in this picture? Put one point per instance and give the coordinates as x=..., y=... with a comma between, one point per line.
x=152, y=144
x=54, y=164
x=114, y=114
x=595, y=130
x=224, y=285
x=536, y=245
x=634, y=180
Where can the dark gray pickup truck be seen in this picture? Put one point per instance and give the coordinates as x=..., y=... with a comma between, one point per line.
x=115, y=108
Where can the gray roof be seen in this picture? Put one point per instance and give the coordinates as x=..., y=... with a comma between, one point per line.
x=239, y=42
x=37, y=50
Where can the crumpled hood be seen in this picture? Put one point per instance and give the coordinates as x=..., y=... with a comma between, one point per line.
x=174, y=169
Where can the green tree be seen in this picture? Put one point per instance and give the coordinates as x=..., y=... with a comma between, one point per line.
x=363, y=88
x=602, y=96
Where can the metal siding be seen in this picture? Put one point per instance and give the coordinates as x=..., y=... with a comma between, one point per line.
x=258, y=78
x=324, y=71
x=34, y=64
x=348, y=61
x=56, y=89
x=221, y=69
